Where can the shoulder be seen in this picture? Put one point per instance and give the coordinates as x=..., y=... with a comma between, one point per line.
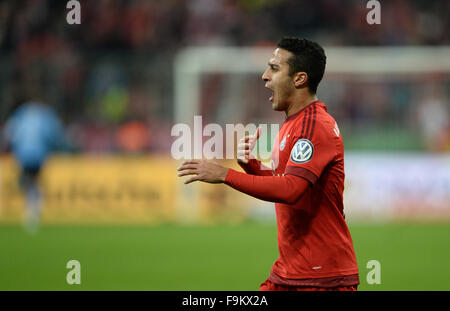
x=325, y=126
x=314, y=123
x=304, y=123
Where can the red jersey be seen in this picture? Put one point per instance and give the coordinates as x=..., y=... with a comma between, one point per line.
x=313, y=238
x=315, y=246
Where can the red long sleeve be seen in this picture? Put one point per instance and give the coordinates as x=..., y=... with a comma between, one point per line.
x=285, y=189
x=253, y=167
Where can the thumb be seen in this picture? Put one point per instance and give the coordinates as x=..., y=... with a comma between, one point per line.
x=258, y=132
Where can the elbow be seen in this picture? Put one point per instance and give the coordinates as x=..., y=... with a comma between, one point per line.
x=297, y=187
x=291, y=198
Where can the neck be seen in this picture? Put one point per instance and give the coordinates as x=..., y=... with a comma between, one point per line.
x=300, y=101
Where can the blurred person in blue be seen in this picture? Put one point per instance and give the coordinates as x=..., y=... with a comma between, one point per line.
x=32, y=133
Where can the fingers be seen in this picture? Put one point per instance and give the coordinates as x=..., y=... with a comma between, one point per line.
x=244, y=139
x=258, y=133
x=186, y=166
x=253, y=137
x=191, y=162
x=242, y=160
x=195, y=178
x=243, y=146
x=187, y=172
x=243, y=153
x=189, y=167
x=246, y=145
x=249, y=145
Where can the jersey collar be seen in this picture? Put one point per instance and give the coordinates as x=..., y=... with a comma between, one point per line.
x=316, y=102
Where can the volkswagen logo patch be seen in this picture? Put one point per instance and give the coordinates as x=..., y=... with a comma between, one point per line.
x=303, y=151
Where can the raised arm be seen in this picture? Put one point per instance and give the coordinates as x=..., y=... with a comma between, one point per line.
x=285, y=189
x=246, y=160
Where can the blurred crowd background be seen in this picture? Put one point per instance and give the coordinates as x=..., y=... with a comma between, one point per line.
x=111, y=80
x=111, y=77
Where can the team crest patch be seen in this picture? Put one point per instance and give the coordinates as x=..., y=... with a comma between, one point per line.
x=283, y=143
x=303, y=151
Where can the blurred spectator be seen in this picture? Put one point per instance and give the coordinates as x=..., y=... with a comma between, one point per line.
x=133, y=137
x=33, y=132
x=434, y=119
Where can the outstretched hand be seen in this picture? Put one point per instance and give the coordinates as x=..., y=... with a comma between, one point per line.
x=246, y=145
x=204, y=170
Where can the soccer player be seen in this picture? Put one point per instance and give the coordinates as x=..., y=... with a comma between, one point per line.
x=32, y=132
x=315, y=247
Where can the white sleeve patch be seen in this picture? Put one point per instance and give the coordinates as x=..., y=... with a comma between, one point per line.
x=302, y=151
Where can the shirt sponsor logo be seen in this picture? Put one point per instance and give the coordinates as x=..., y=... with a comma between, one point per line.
x=302, y=152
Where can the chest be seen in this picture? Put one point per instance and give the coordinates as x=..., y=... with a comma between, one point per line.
x=281, y=150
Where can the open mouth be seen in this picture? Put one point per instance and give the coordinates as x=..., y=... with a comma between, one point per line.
x=271, y=97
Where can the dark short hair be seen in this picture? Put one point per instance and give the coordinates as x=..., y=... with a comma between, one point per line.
x=308, y=57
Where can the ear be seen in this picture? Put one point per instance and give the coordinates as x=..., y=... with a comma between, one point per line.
x=300, y=79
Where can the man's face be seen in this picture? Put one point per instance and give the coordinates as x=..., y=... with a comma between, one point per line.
x=278, y=80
